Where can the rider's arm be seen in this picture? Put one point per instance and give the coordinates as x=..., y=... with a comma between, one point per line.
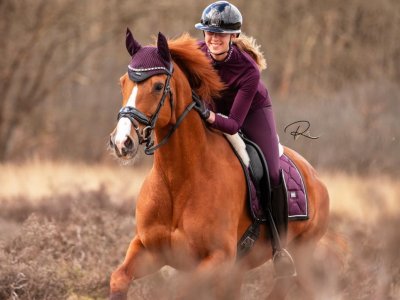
x=233, y=122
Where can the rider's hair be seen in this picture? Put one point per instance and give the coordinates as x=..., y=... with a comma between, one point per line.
x=249, y=45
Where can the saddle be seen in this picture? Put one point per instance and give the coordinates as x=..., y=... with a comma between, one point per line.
x=258, y=187
x=259, y=195
x=258, y=182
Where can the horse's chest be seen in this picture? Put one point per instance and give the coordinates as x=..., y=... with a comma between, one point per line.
x=175, y=228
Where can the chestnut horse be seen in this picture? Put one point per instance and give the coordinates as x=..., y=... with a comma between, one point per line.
x=191, y=210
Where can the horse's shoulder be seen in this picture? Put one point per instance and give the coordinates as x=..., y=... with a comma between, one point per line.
x=153, y=191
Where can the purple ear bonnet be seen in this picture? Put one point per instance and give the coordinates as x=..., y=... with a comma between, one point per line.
x=148, y=61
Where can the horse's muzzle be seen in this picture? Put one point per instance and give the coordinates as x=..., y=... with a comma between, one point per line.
x=125, y=148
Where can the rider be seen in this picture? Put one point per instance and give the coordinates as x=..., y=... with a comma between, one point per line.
x=245, y=103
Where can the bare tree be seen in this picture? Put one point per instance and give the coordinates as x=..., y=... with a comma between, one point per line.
x=60, y=62
x=47, y=41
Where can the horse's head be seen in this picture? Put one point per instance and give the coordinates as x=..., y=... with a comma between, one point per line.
x=156, y=92
x=146, y=87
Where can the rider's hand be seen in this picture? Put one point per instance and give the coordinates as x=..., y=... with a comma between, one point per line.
x=202, y=109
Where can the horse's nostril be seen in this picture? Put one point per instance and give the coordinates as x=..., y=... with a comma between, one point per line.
x=128, y=143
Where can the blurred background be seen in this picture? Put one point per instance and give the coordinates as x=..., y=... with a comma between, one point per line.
x=334, y=63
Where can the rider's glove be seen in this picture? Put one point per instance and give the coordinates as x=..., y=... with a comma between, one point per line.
x=202, y=109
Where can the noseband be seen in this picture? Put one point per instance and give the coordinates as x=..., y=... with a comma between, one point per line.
x=137, y=117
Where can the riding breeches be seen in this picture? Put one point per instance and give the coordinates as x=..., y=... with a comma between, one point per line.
x=259, y=127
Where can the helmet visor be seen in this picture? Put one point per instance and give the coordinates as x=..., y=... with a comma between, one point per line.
x=215, y=29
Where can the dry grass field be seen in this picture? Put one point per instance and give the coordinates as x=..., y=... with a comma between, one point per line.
x=64, y=227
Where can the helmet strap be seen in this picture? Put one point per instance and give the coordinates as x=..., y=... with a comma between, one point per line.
x=218, y=54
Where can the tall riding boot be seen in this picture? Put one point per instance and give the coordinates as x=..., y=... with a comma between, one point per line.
x=279, y=207
x=283, y=262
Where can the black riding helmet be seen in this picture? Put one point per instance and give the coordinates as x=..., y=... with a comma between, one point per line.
x=220, y=17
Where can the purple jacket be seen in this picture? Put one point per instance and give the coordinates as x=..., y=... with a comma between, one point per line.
x=245, y=92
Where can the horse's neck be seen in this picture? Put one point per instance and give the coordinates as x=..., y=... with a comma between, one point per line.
x=190, y=144
x=187, y=148
x=188, y=141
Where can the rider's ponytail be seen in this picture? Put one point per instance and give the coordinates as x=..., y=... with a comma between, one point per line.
x=249, y=45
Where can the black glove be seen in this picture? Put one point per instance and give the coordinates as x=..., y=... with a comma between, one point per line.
x=202, y=109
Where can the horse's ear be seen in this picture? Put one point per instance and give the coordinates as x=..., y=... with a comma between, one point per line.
x=131, y=44
x=162, y=46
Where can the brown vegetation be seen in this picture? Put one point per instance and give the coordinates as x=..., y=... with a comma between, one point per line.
x=65, y=245
x=64, y=248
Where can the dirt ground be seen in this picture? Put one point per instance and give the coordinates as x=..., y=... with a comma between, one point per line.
x=65, y=245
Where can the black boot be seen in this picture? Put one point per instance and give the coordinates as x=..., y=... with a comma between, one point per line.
x=279, y=208
x=282, y=260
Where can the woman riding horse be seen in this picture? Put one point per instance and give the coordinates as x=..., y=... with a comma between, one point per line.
x=191, y=210
x=245, y=103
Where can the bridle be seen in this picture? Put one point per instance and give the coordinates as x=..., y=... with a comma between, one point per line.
x=137, y=117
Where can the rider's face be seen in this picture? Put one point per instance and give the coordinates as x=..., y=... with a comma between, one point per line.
x=217, y=42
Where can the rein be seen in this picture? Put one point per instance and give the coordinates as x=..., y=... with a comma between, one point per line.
x=137, y=117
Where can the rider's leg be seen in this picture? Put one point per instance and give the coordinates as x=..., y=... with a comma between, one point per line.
x=259, y=127
x=279, y=206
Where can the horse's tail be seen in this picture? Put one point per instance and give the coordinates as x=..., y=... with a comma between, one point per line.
x=249, y=45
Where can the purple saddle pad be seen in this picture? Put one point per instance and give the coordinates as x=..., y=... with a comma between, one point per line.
x=296, y=193
x=296, y=190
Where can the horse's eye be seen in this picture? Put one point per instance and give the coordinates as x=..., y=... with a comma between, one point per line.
x=158, y=87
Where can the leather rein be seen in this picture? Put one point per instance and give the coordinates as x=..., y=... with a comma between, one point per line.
x=137, y=117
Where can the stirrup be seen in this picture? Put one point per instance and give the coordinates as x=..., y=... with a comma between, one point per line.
x=283, y=264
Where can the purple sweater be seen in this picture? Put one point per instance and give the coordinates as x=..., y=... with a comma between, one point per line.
x=245, y=92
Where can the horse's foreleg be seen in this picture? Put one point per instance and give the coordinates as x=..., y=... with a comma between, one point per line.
x=138, y=262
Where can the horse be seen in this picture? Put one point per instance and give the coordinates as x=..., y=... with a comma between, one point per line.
x=191, y=209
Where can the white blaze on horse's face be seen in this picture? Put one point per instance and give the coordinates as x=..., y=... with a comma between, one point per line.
x=124, y=125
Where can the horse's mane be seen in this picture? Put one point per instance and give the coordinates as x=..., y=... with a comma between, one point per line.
x=202, y=77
